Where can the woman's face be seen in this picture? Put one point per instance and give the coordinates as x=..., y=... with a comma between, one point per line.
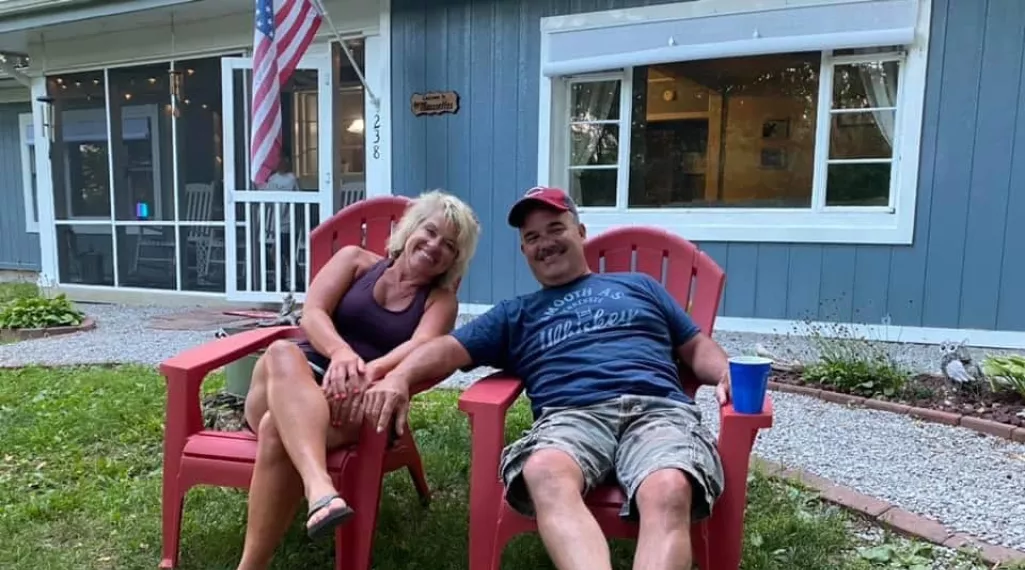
x=431, y=249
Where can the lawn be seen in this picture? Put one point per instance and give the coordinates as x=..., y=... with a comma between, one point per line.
x=80, y=470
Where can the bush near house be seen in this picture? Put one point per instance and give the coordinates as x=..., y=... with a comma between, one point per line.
x=24, y=306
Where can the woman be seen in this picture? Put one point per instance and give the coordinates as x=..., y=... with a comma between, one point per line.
x=362, y=315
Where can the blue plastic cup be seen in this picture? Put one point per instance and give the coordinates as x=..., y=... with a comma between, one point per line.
x=749, y=379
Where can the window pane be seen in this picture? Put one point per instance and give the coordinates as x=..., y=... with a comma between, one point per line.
x=865, y=85
x=671, y=95
x=242, y=89
x=140, y=132
x=866, y=134
x=202, y=258
x=200, y=151
x=81, y=178
x=593, y=144
x=593, y=186
x=146, y=257
x=34, y=181
x=858, y=184
x=753, y=146
x=350, y=149
x=594, y=101
x=85, y=254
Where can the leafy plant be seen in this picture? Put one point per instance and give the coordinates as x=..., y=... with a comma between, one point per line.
x=853, y=364
x=39, y=312
x=1005, y=373
x=906, y=557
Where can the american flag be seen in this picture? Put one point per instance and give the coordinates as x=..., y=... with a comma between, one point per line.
x=280, y=39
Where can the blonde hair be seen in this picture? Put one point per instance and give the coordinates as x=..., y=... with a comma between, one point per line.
x=457, y=213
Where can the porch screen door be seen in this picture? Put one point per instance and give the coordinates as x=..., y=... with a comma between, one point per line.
x=268, y=228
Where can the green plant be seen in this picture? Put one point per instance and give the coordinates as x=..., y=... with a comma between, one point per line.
x=916, y=556
x=39, y=312
x=852, y=363
x=1005, y=373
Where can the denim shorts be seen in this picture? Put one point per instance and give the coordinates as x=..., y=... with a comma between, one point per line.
x=623, y=439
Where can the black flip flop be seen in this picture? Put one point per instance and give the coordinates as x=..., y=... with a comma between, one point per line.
x=329, y=522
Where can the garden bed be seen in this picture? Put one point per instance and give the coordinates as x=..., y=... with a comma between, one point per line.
x=934, y=392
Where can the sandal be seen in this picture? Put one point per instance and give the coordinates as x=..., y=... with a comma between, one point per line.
x=331, y=520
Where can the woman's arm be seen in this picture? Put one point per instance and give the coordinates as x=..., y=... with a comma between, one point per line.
x=439, y=319
x=331, y=282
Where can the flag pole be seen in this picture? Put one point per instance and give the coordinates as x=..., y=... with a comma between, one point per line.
x=348, y=53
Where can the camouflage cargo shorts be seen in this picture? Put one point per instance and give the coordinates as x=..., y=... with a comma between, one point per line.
x=624, y=439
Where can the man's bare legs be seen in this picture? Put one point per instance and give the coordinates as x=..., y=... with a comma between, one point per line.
x=568, y=529
x=664, y=503
x=277, y=486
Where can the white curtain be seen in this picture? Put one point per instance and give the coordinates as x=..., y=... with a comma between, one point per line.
x=594, y=104
x=880, y=80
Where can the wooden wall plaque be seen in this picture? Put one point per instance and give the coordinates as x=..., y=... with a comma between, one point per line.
x=434, y=103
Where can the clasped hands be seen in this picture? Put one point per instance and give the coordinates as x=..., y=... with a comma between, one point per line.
x=358, y=391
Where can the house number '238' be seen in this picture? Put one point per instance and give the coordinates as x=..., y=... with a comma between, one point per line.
x=377, y=136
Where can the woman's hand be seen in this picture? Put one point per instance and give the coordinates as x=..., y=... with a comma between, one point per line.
x=343, y=373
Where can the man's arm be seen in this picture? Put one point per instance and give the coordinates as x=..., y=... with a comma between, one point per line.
x=432, y=361
x=482, y=341
x=693, y=348
x=706, y=358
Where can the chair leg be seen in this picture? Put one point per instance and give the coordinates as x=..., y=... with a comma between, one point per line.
x=416, y=471
x=173, y=504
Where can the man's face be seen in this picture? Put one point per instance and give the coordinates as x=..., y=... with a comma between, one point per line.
x=553, y=243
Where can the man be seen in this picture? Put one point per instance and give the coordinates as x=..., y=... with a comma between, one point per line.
x=598, y=354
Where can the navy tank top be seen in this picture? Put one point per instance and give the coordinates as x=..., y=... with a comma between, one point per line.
x=370, y=329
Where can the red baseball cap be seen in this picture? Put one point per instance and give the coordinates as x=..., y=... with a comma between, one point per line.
x=540, y=197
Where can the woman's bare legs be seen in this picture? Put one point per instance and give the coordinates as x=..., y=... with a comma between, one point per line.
x=277, y=485
x=274, y=495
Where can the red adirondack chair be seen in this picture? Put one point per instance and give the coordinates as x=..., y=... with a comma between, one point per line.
x=194, y=456
x=717, y=541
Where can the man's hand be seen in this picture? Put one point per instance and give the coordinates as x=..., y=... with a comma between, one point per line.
x=387, y=401
x=722, y=390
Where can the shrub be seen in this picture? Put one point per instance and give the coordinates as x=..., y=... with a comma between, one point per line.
x=1005, y=373
x=39, y=312
x=853, y=364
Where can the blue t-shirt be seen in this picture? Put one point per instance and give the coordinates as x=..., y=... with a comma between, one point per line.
x=601, y=336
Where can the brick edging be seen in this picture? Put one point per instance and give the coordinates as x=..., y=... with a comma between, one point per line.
x=886, y=514
x=980, y=425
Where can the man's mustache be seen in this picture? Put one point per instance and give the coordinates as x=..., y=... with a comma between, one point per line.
x=550, y=250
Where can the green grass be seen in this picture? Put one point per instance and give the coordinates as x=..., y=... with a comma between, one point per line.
x=80, y=470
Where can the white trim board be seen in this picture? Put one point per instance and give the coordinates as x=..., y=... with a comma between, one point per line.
x=881, y=333
x=884, y=224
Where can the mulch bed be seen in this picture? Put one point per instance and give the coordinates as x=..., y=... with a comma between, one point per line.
x=936, y=393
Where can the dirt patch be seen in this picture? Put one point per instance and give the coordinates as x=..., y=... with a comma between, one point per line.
x=198, y=320
x=936, y=393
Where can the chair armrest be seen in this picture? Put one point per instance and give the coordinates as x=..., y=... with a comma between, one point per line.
x=746, y=422
x=491, y=395
x=186, y=371
x=486, y=403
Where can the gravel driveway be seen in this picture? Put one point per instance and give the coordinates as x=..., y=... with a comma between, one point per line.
x=970, y=482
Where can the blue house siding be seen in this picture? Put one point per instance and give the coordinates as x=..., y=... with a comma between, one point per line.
x=18, y=248
x=964, y=269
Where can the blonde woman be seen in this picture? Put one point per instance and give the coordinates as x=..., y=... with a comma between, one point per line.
x=363, y=314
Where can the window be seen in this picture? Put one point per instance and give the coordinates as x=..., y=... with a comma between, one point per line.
x=28, y=173
x=810, y=145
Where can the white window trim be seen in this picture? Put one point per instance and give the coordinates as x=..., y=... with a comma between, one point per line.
x=30, y=202
x=854, y=225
